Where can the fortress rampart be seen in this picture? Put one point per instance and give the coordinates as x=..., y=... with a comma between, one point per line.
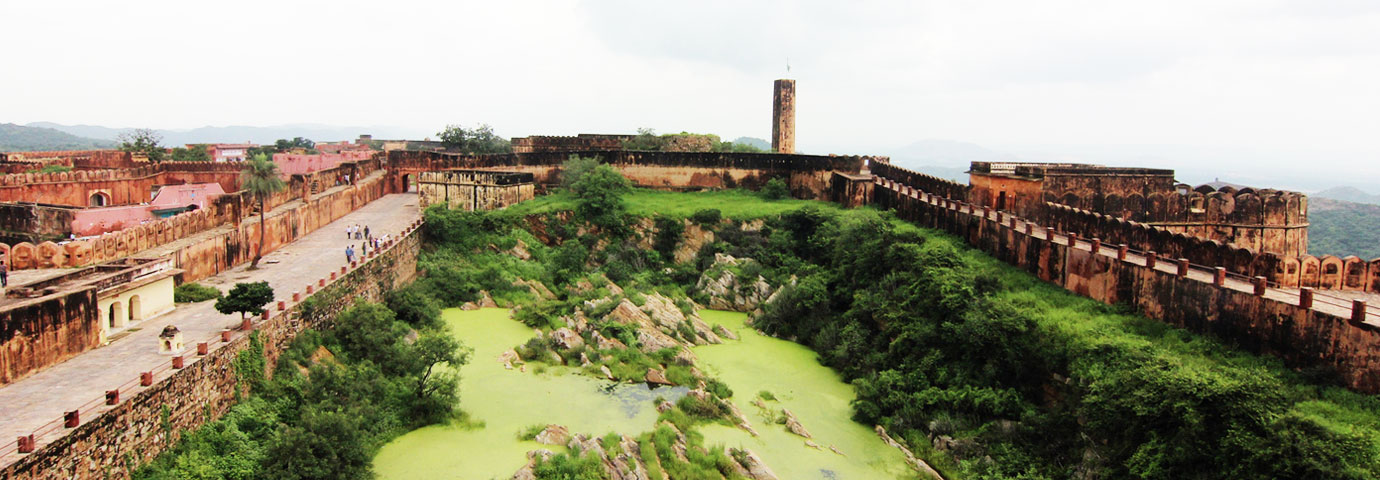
x=1228, y=296
x=807, y=175
x=583, y=142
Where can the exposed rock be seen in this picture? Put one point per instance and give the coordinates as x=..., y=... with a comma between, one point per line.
x=657, y=377
x=812, y=444
x=794, y=425
x=836, y=450
x=628, y=465
x=694, y=239
x=566, y=338
x=537, y=288
x=740, y=418
x=607, y=373
x=485, y=301
x=555, y=358
x=724, y=332
x=753, y=225
x=469, y=306
x=651, y=338
x=584, y=359
x=919, y=464
x=664, y=406
x=728, y=292
x=525, y=473
x=684, y=357
x=553, y=435
x=508, y=357
x=757, y=469
x=604, y=343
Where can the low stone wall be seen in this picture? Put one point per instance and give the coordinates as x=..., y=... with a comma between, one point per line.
x=1304, y=333
x=116, y=439
x=807, y=175
x=38, y=332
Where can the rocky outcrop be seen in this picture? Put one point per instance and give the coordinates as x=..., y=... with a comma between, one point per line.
x=724, y=332
x=668, y=317
x=627, y=463
x=694, y=239
x=793, y=424
x=728, y=292
x=925, y=469
x=553, y=435
x=657, y=377
x=649, y=336
x=566, y=338
x=485, y=301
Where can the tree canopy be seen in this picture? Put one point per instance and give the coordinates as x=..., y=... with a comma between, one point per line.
x=144, y=141
x=246, y=298
x=480, y=139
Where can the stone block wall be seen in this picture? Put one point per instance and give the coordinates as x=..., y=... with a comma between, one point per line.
x=1273, y=322
x=114, y=440
x=42, y=331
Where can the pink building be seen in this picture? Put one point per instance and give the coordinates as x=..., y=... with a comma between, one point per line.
x=170, y=200
x=229, y=152
x=293, y=163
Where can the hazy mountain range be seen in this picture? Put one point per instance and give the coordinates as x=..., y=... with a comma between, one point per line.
x=21, y=138
x=1349, y=194
x=230, y=134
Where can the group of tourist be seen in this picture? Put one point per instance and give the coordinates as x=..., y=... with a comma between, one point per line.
x=356, y=232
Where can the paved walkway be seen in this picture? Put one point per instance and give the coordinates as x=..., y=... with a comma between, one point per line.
x=41, y=398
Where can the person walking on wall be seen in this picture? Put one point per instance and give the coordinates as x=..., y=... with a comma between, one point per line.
x=4, y=274
x=366, y=231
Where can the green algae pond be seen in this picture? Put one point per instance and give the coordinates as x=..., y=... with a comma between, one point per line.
x=501, y=402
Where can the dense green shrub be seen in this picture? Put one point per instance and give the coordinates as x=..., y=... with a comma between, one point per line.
x=195, y=292
x=776, y=189
x=707, y=216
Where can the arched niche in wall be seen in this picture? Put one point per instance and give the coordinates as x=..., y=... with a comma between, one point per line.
x=1331, y=276
x=1310, y=271
x=1353, y=273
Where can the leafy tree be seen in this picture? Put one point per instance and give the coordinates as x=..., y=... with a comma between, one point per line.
x=143, y=141
x=599, y=198
x=246, y=298
x=479, y=140
x=194, y=153
x=326, y=445
x=575, y=167
x=776, y=189
x=414, y=306
x=283, y=145
x=436, y=387
x=260, y=178
x=646, y=140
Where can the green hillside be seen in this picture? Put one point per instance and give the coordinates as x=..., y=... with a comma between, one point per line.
x=1343, y=228
x=18, y=138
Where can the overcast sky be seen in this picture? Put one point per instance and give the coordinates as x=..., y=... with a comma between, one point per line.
x=1272, y=85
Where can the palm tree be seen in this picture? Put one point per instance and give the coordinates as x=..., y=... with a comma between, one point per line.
x=260, y=179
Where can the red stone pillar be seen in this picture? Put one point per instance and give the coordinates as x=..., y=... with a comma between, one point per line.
x=282, y=305
x=112, y=397
x=26, y=443
x=145, y=379
x=177, y=361
x=1219, y=276
x=246, y=324
x=202, y=348
x=1358, y=312
x=1150, y=258
x=1259, y=284
x=296, y=297
x=1121, y=251
x=71, y=419
x=1073, y=240
x=1183, y=267
x=309, y=289
x=1096, y=245
x=225, y=335
x=1305, y=297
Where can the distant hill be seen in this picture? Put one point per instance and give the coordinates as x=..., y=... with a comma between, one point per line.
x=233, y=134
x=1343, y=228
x=754, y=141
x=19, y=138
x=957, y=174
x=1348, y=194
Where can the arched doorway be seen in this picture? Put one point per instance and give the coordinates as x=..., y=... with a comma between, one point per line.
x=410, y=183
x=117, y=315
x=99, y=199
x=136, y=311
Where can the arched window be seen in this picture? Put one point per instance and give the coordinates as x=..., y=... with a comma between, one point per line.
x=99, y=199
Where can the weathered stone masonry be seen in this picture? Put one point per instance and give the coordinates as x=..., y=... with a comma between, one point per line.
x=115, y=440
x=1259, y=320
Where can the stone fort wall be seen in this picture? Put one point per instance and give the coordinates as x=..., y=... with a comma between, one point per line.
x=1298, y=327
x=112, y=440
x=808, y=175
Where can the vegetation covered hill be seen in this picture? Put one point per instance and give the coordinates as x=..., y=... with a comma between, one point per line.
x=18, y=138
x=1348, y=194
x=1343, y=228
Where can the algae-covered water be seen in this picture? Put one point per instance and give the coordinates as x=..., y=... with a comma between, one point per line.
x=502, y=402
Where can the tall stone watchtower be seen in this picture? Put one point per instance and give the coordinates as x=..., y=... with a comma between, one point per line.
x=783, y=117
